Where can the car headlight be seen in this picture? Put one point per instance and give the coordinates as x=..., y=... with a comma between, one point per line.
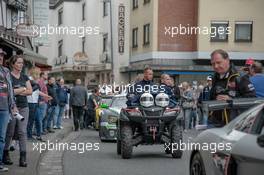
x=146, y=100
x=162, y=100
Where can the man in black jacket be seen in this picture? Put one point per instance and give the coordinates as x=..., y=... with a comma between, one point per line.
x=227, y=84
x=52, y=103
x=146, y=85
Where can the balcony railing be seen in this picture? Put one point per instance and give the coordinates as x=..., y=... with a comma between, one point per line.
x=18, y=4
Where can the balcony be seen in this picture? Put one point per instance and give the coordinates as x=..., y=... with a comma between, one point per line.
x=17, y=4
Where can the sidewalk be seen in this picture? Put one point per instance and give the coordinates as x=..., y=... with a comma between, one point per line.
x=34, y=156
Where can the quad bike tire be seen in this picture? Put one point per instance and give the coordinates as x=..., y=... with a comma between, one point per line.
x=126, y=142
x=176, y=138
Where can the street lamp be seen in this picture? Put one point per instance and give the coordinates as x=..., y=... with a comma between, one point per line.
x=111, y=36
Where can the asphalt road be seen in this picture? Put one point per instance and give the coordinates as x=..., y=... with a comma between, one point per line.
x=146, y=160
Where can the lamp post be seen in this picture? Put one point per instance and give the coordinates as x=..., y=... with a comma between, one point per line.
x=111, y=37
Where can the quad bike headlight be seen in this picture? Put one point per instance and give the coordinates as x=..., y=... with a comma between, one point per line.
x=162, y=100
x=146, y=100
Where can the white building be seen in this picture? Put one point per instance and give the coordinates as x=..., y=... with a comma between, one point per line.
x=86, y=56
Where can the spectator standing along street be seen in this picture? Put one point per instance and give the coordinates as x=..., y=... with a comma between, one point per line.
x=7, y=106
x=78, y=100
x=52, y=104
x=62, y=93
x=257, y=78
x=22, y=88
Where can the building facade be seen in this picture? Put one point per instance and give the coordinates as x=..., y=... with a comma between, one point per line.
x=12, y=14
x=177, y=37
x=87, y=56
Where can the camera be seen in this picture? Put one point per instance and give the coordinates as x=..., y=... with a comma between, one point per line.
x=19, y=117
x=221, y=91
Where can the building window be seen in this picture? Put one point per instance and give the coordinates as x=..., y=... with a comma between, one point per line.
x=83, y=11
x=146, y=1
x=219, y=31
x=135, y=4
x=146, y=34
x=135, y=37
x=60, y=43
x=243, y=31
x=105, y=9
x=83, y=44
x=105, y=41
x=60, y=13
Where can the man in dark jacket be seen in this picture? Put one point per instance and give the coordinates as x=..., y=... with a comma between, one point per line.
x=52, y=91
x=92, y=104
x=145, y=85
x=78, y=100
x=166, y=87
x=227, y=84
x=62, y=94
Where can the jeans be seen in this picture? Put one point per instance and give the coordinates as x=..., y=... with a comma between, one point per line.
x=4, y=119
x=78, y=113
x=33, y=117
x=50, y=116
x=58, y=116
x=189, y=117
x=41, y=111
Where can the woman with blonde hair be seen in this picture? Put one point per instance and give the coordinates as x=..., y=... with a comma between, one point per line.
x=34, y=116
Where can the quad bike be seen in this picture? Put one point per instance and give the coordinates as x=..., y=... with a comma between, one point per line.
x=149, y=124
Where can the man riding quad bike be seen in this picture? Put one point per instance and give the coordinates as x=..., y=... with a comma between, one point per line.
x=151, y=121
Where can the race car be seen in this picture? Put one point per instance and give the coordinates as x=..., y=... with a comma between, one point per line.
x=105, y=100
x=235, y=149
x=108, y=118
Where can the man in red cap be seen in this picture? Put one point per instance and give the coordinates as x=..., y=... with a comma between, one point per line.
x=248, y=65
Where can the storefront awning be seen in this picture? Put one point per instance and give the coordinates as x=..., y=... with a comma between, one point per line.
x=172, y=72
x=29, y=54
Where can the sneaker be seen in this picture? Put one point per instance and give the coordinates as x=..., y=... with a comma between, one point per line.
x=60, y=127
x=55, y=127
x=12, y=148
x=40, y=139
x=32, y=139
x=51, y=131
x=3, y=169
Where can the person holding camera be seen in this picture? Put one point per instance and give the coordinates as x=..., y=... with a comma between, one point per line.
x=22, y=88
x=226, y=85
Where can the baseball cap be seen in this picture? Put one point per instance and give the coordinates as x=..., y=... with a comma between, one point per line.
x=2, y=51
x=209, y=78
x=249, y=62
